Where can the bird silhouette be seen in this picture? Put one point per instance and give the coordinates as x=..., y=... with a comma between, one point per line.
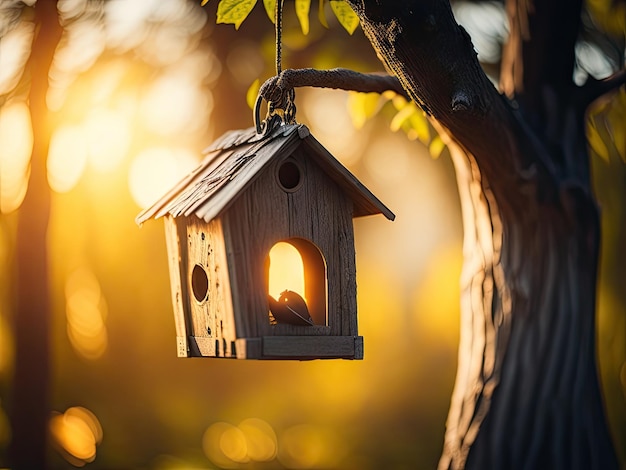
x=290, y=308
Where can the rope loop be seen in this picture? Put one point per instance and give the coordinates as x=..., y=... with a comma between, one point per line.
x=281, y=107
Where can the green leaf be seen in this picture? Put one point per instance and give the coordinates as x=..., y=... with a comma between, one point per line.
x=234, y=11
x=270, y=9
x=302, y=12
x=347, y=18
x=436, y=147
x=321, y=15
x=252, y=93
x=362, y=106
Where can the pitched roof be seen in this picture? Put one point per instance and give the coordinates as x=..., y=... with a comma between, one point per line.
x=231, y=164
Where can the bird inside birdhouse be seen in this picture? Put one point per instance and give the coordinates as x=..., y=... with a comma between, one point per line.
x=297, y=284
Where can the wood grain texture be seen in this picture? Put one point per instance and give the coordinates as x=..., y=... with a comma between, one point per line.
x=319, y=212
x=301, y=347
x=179, y=300
x=211, y=317
x=226, y=172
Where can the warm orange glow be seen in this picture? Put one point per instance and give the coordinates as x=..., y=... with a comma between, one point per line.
x=216, y=450
x=233, y=444
x=286, y=270
x=307, y=446
x=326, y=110
x=155, y=170
x=66, y=158
x=16, y=144
x=85, y=313
x=228, y=446
x=260, y=439
x=108, y=138
x=6, y=344
x=436, y=299
x=76, y=433
x=172, y=103
x=14, y=52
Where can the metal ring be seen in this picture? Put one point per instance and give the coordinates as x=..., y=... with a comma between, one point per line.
x=257, y=110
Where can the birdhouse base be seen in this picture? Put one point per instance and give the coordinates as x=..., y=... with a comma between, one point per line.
x=300, y=347
x=277, y=347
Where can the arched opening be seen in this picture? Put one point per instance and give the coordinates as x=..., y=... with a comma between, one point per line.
x=297, y=283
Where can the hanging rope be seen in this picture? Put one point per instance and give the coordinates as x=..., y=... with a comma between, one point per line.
x=278, y=22
x=282, y=109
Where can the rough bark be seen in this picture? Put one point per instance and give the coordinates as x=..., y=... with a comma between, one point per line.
x=526, y=393
x=30, y=401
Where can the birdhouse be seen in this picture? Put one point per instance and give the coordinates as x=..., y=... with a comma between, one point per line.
x=254, y=199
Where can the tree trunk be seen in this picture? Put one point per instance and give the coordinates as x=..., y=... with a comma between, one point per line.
x=30, y=402
x=526, y=393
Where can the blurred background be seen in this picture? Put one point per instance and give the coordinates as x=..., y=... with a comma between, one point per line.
x=138, y=89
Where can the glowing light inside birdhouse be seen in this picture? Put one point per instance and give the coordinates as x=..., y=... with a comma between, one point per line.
x=286, y=270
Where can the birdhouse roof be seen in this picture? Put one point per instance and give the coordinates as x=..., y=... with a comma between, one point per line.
x=232, y=163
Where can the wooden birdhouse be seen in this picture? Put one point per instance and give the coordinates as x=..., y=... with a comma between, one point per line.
x=224, y=222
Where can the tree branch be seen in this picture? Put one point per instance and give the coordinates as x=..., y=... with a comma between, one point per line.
x=538, y=52
x=275, y=88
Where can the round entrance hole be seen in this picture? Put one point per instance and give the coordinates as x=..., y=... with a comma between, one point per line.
x=199, y=283
x=289, y=175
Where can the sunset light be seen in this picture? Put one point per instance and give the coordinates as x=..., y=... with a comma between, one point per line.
x=155, y=170
x=286, y=270
x=216, y=253
x=230, y=446
x=76, y=434
x=67, y=158
x=86, y=313
x=108, y=138
x=16, y=143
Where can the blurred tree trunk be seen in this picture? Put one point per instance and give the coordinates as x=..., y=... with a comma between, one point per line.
x=527, y=391
x=30, y=398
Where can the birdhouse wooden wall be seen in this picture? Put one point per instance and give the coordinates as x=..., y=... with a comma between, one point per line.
x=313, y=215
x=250, y=193
x=200, y=284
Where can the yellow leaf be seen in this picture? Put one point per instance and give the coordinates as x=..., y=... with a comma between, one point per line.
x=270, y=9
x=345, y=15
x=320, y=13
x=362, y=106
x=436, y=147
x=418, y=121
x=401, y=117
x=204, y=2
x=252, y=93
x=234, y=11
x=399, y=102
x=302, y=12
x=596, y=143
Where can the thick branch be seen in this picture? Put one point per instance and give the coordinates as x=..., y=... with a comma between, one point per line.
x=343, y=79
x=434, y=59
x=540, y=47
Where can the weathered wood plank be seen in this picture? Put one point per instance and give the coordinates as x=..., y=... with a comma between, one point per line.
x=302, y=347
x=249, y=348
x=173, y=246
